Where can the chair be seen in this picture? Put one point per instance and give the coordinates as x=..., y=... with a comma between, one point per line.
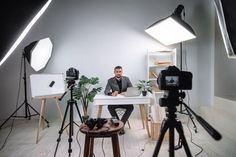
x=120, y=112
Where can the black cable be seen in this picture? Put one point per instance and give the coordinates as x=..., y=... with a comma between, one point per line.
x=191, y=136
x=17, y=101
x=103, y=147
x=78, y=143
x=191, y=140
x=143, y=149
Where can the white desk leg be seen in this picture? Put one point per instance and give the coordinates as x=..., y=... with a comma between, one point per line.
x=146, y=119
x=141, y=113
x=40, y=119
x=99, y=113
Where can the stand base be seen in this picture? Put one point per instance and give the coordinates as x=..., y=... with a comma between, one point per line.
x=171, y=124
x=27, y=113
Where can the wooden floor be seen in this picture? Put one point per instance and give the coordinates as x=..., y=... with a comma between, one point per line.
x=135, y=142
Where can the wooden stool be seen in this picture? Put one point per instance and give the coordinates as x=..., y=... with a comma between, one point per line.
x=108, y=130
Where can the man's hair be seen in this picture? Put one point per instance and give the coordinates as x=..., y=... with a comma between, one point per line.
x=118, y=67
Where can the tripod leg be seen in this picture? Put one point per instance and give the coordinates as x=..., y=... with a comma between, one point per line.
x=191, y=118
x=71, y=129
x=180, y=130
x=61, y=130
x=12, y=114
x=163, y=130
x=78, y=112
x=171, y=140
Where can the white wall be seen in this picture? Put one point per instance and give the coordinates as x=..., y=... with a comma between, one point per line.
x=95, y=36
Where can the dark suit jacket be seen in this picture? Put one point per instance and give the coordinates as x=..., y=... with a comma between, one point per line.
x=112, y=85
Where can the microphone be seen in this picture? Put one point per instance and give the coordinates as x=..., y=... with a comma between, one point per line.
x=51, y=84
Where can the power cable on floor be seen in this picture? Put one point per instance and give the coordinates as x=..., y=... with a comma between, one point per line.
x=78, y=142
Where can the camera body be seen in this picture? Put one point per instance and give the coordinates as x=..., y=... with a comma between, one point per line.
x=95, y=123
x=72, y=74
x=174, y=79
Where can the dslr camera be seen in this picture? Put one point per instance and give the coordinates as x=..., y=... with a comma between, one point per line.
x=174, y=79
x=72, y=74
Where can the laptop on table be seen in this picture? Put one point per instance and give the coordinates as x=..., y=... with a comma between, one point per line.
x=132, y=91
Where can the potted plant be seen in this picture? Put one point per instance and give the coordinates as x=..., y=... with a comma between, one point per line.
x=85, y=91
x=144, y=86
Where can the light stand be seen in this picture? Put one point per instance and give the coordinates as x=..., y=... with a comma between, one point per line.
x=181, y=106
x=25, y=102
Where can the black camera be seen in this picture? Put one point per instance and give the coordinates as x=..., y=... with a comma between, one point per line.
x=95, y=123
x=174, y=79
x=72, y=74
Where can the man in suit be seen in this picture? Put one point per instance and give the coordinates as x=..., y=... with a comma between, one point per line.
x=118, y=85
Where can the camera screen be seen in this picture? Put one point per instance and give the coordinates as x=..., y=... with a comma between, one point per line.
x=172, y=80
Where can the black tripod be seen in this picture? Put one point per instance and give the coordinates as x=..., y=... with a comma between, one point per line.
x=25, y=102
x=70, y=104
x=171, y=123
x=171, y=100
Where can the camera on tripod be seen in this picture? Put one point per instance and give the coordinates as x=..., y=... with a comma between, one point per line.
x=72, y=74
x=172, y=80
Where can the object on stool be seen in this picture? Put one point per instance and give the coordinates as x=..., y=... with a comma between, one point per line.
x=95, y=123
x=122, y=132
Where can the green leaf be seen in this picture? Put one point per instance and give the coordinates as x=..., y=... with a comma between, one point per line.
x=84, y=91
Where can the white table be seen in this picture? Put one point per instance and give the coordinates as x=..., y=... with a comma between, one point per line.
x=101, y=100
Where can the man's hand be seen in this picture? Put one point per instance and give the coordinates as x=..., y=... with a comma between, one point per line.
x=115, y=93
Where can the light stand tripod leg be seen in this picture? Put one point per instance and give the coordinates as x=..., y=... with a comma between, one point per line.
x=180, y=130
x=12, y=114
x=164, y=127
x=191, y=118
x=61, y=130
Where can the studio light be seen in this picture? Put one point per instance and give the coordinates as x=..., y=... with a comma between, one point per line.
x=171, y=29
x=38, y=53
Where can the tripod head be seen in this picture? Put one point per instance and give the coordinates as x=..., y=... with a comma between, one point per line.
x=172, y=98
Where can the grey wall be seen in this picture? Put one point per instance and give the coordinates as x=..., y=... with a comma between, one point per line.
x=225, y=71
x=95, y=36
